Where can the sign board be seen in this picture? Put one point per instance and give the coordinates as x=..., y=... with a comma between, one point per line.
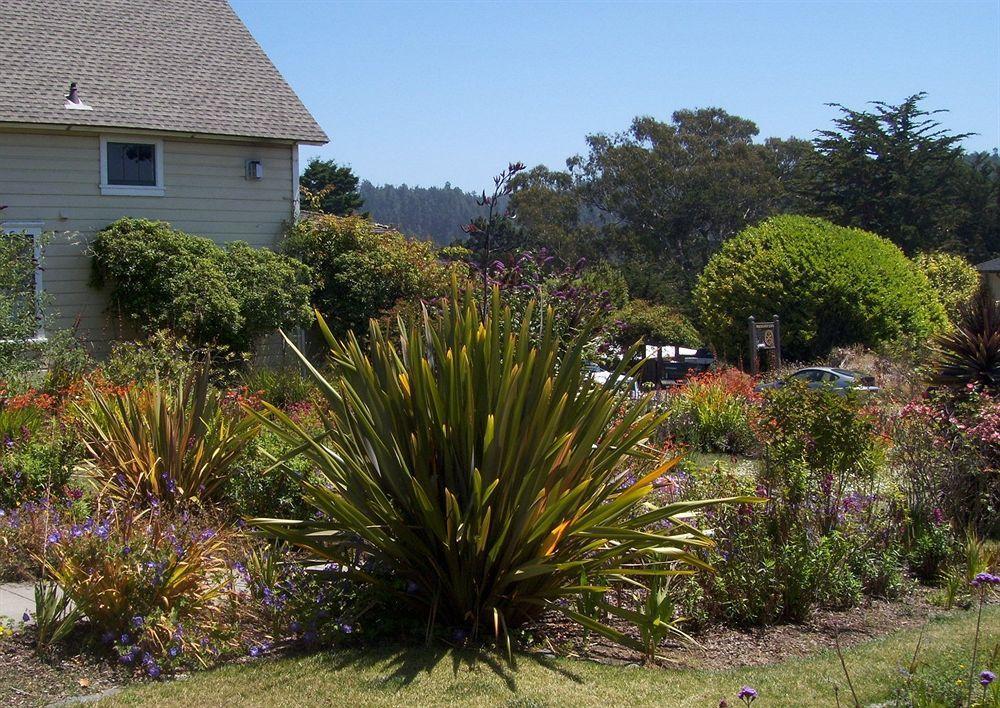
x=765, y=336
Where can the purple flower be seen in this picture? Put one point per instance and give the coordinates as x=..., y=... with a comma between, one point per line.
x=26, y=617
x=985, y=579
x=53, y=537
x=138, y=621
x=295, y=627
x=747, y=695
x=153, y=670
x=346, y=628
x=125, y=639
x=986, y=678
x=127, y=658
x=173, y=651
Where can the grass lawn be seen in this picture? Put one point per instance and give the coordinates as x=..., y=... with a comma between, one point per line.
x=429, y=677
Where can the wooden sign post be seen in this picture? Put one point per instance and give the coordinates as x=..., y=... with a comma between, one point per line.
x=764, y=337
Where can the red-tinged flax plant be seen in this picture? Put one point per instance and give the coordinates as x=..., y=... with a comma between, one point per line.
x=482, y=469
x=168, y=443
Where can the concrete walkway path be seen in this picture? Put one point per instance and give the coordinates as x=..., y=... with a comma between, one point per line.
x=16, y=599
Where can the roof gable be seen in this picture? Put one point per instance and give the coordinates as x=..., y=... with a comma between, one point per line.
x=173, y=65
x=992, y=266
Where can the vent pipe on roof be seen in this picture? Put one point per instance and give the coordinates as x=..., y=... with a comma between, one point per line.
x=73, y=101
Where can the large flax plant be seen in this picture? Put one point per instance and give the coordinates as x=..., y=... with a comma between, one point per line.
x=482, y=469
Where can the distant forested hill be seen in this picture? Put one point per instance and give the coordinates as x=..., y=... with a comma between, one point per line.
x=434, y=213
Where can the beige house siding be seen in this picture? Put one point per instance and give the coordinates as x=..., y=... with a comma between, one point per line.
x=54, y=179
x=993, y=281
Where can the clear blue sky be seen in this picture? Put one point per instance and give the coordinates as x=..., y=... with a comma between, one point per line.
x=428, y=92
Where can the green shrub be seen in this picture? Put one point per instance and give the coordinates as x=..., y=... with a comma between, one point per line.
x=715, y=412
x=953, y=278
x=280, y=386
x=819, y=449
x=164, y=278
x=149, y=582
x=483, y=468
x=830, y=285
x=655, y=324
x=362, y=271
x=930, y=551
x=252, y=488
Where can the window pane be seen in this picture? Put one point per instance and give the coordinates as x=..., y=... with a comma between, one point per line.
x=132, y=164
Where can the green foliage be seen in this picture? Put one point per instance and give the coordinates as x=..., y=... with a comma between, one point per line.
x=969, y=354
x=896, y=171
x=831, y=286
x=714, y=412
x=653, y=324
x=160, y=357
x=930, y=551
x=36, y=464
x=283, y=387
x=163, y=278
x=430, y=213
x=819, y=447
x=485, y=470
x=253, y=488
x=149, y=581
x=362, y=271
x=678, y=188
x=953, y=278
x=18, y=300
x=55, y=617
x=169, y=442
x=329, y=188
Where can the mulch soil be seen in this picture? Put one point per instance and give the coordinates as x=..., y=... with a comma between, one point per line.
x=27, y=679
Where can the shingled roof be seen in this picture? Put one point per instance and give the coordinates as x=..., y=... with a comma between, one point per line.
x=186, y=66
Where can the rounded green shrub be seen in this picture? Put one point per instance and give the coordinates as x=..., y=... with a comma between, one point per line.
x=954, y=279
x=831, y=286
x=655, y=324
x=162, y=278
x=362, y=271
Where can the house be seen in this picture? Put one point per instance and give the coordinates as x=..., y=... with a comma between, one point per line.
x=991, y=275
x=162, y=109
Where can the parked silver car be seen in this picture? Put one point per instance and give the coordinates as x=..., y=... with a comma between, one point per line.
x=840, y=380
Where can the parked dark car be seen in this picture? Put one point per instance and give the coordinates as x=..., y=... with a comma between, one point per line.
x=840, y=380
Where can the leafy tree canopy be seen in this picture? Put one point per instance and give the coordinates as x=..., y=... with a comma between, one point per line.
x=895, y=170
x=676, y=190
x=330, y=188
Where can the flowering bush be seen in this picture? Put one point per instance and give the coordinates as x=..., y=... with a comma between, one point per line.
x=24, y=528
x=716, y=411
x=149, y=582
x=947, y=449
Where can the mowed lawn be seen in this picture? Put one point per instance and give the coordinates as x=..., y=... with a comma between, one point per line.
x=429, y=677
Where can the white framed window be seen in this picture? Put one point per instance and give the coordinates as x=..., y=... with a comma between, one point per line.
x=131, y=166
x=32, y=292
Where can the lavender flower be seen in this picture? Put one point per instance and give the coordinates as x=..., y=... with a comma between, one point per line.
x=985, y=579
x=747, y=695
x=986, y=678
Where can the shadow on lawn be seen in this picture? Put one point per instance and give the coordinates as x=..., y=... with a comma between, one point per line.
x=401, y=665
